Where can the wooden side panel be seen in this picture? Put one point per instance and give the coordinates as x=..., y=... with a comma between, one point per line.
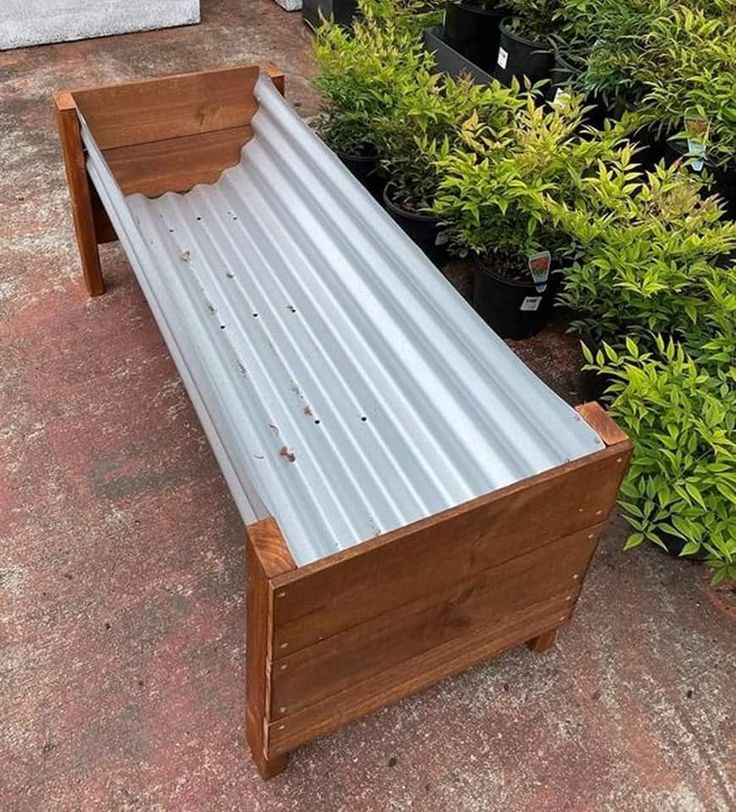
x=415, y=674
x=433, y=555
x=169, y=107
x=483, y=599
x=177, y=164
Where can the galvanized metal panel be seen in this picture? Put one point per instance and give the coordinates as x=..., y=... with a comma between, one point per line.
x=346, y=388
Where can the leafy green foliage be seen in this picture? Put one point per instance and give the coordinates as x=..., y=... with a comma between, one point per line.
x=533, y=19
x=496, y=186
x=681, y=417
x=648, y=255
x=361, y=76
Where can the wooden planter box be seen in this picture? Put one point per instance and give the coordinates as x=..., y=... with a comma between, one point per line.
x=345, y=632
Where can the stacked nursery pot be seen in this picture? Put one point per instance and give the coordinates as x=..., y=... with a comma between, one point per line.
x=472, y=29
x=520, y=57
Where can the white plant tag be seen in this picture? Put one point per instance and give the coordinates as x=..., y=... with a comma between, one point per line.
x=503, y=57
x=442, y=238
x=539, y=265
x=561, y=96
x=531, y=303
x=697, y=150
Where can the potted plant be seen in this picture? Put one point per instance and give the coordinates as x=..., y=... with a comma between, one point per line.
x=341, y=12
x=472, y=28
x=493, y=201
x=426, y=120
x=360, y=71
x=680, y=492
x=525, y=49
x=693, y=99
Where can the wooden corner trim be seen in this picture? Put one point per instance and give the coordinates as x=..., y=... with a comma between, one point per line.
x=602, y=424
x=270, y=547
x=64, y=100
x=276, y=75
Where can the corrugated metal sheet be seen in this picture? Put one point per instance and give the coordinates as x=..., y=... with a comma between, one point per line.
x=345, y=386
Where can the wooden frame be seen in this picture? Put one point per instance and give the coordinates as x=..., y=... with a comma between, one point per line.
x=338, y=638
x=157, y=135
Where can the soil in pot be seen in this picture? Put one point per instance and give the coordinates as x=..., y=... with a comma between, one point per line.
x=473, y=30
x=724, y=177
x=519, y=57
x=424, y=229
x=507, y=299
x=364, y=167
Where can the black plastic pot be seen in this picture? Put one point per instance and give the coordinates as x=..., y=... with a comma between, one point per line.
x=513, y=309
x=674, y=546
x=724, y=177
x=562, y=76
x=422, y=228
x=474, y=31
x=519, y=57
x=450, y=61
x=340, y=11
x=365, y=169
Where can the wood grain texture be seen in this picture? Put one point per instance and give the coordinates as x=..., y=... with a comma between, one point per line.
x=350, y=587
x=177, y=164
x=437, y=616
x=266, y=555
x=79, y=192
x=603, y=425
x=411, y=676
x=169, y=107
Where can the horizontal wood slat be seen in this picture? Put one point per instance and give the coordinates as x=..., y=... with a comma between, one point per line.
x=484, y=598
x=177, y=164
x=413, y=675
x=346, y=589
x=169, y=107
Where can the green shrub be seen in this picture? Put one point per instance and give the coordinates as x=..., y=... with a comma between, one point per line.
x=648, y=254
x=427, y=119
x=681, y=417
x=533, y=19
x=495, y=189
x=360, y=73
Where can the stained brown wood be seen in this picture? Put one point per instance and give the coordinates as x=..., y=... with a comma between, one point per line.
x=606, y=428
x=388, y=638
x=543, y=642
x=276, y=75
x=140, y=112
x=352, y=586
x=79, y=192
x=177, y=164
x=409, y=677
x=266, y=556
x=104, y=231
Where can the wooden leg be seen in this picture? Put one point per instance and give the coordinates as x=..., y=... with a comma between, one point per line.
x=268, y=768
x=79, y=191
x=543, y=642
x=266, y=557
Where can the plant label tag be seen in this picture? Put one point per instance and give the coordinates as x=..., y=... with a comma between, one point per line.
x=531, y=303
x=697, y=151
x=442, y=238
x=503, y=57
x=561, y=96
x=539, y=265
x=697, y=135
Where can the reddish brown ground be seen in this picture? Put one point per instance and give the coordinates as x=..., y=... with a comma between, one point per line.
x=121, y=558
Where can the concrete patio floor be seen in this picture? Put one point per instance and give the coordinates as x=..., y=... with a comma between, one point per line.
x=121, y=557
